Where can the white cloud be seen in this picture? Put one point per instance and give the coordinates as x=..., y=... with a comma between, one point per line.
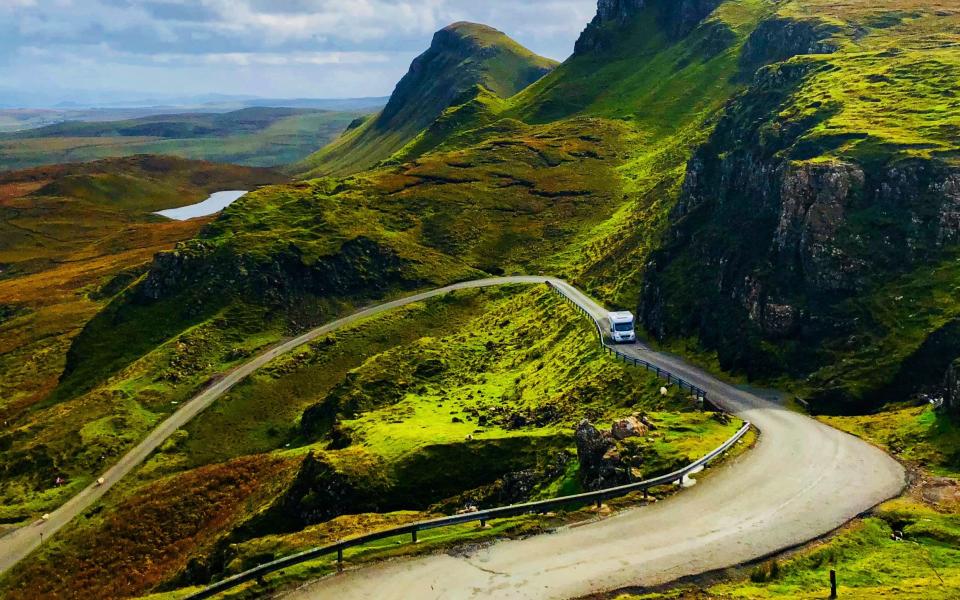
x=273, y=58
x=355, y=46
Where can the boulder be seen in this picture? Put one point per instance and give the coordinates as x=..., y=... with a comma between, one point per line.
x=600, y=463
x=629, y=427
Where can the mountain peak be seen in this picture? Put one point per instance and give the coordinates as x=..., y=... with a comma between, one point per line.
x=461, y=57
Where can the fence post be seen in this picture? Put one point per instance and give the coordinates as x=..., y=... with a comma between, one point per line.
x=833, y=584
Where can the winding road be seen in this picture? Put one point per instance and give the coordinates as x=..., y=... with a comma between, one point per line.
x=803, y=480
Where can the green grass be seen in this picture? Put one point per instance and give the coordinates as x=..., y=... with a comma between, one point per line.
x=517, y=349
x=869, y=563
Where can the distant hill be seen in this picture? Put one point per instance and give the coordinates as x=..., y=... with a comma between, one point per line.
x=256, y=136
x=464, y=60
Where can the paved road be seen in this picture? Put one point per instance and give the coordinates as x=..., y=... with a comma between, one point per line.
x=803, y=480
x=18, y=544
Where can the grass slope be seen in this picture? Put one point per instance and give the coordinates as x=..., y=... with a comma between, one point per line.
x=403, y=405
x=73, y=236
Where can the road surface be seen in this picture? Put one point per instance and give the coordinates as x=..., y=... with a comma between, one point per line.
x=803, y=480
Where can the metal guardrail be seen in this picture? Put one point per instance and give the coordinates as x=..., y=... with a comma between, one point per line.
x=637, y=362
x=538, y=507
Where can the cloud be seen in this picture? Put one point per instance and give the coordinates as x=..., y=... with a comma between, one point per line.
x=130, y=42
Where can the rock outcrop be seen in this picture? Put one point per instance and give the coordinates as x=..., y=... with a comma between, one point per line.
x=677, y=18
x=600, y=462
x=778, y=39
x=361, y=264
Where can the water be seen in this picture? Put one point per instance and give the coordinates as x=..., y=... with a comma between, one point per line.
x=212, y=205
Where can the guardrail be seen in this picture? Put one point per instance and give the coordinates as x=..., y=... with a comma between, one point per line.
x=539, y=507
x=637, y=362
x=528, y=508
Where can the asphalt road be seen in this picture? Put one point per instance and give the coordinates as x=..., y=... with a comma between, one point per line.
x=803, y=480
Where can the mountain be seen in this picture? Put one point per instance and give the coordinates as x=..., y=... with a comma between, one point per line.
x=463, y=60
x=772, y=185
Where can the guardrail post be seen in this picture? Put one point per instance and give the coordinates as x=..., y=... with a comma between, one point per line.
x=340, y=556
x=483, y=523
x=833, y=584
x=414, y=535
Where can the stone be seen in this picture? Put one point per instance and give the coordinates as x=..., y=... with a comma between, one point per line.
x=951, y=401
x=629, y=427
x=600, y=462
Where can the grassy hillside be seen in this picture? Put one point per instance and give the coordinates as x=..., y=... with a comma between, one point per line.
x=260, y=137
x=463, y=59
x=772, y=182
x=416, y=431
x=584, y=197
x=72, y=237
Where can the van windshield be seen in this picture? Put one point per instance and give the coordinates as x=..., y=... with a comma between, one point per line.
x=624, y=326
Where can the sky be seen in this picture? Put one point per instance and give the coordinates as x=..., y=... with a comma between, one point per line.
x=97, y=50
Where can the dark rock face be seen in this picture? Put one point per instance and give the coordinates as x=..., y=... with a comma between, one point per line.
x=677, y=18
x=776, y=40
x=600, y=463
x=952, y=399
x=318, y=493
x=618, y=11
x=361, y=265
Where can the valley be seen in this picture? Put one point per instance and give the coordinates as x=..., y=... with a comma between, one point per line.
x=363, y=340
x=256, y=137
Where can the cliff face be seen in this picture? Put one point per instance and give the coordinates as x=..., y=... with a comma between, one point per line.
x=793, y=222
x=778, y=39
x=460, y=58
x=676, y=17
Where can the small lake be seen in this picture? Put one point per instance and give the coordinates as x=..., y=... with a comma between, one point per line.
x=212, y=205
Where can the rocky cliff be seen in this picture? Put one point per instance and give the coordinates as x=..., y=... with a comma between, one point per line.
x=677, y=18
x=799, y=212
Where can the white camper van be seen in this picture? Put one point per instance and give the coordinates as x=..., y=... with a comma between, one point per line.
x=622, y=327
